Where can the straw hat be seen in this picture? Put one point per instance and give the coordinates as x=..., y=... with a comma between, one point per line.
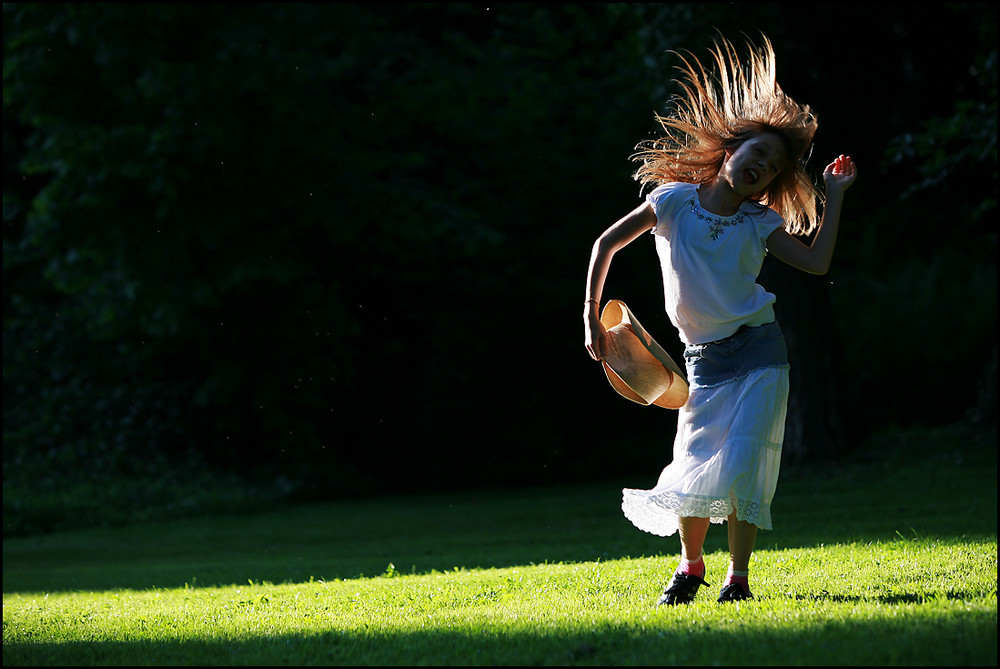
x=637, y=367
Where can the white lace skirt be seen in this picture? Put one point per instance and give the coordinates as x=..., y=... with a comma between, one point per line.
x=727, y=453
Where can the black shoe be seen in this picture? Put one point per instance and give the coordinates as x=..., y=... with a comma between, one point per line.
x=734, y=592
x=681, y=589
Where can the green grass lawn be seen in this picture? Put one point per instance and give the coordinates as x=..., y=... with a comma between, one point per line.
x=889, y=560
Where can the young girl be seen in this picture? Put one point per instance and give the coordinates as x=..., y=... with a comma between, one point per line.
x=731, y=187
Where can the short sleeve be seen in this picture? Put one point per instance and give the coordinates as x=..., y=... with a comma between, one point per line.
x=768, y=223
x=666, y=201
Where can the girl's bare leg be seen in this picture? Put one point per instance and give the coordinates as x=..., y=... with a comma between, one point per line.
x=742, y=536
x=692, y=531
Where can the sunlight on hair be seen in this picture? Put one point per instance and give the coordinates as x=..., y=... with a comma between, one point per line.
x=718, y=110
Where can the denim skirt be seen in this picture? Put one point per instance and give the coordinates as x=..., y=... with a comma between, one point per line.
x=727, y=448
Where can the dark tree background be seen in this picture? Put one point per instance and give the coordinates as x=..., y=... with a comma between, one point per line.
x=263, y=252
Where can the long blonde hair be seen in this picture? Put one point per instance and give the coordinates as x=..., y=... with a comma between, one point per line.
x=720, y=112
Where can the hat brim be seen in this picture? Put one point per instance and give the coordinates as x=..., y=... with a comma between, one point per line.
x=636, y=366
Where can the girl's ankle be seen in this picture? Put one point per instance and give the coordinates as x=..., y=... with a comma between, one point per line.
x=692, y=567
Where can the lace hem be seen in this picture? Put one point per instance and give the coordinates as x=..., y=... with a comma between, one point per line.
x=658, y=513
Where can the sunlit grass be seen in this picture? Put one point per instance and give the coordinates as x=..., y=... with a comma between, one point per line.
x=907, y=601
x=551, y=576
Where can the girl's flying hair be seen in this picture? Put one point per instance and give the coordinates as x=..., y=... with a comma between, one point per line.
x=717, y=113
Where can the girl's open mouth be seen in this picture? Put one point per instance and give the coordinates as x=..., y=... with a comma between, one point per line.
x=751, y=176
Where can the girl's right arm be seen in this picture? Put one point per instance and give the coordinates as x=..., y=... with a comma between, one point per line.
x=616, y=237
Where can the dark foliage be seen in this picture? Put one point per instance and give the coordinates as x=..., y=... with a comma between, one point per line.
x=337, y=249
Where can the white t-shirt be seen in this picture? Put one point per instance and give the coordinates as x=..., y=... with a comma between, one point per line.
x=710, y=263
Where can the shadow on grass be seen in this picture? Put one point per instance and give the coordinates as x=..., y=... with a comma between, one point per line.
x=957, y=641
x=889, y=600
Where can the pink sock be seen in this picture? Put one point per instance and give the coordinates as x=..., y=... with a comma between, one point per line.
x=693, y=567
x=741, y=578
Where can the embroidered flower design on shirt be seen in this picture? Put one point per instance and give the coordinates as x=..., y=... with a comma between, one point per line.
x=716, y=225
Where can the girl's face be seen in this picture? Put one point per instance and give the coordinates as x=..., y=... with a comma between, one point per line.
x=754, y=164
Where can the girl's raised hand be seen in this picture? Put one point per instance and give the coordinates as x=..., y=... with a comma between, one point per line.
x=840, y=174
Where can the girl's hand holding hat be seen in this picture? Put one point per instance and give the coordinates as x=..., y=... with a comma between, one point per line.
x=594, y=332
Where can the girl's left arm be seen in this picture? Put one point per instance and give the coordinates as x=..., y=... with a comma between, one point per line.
x=816, y=258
